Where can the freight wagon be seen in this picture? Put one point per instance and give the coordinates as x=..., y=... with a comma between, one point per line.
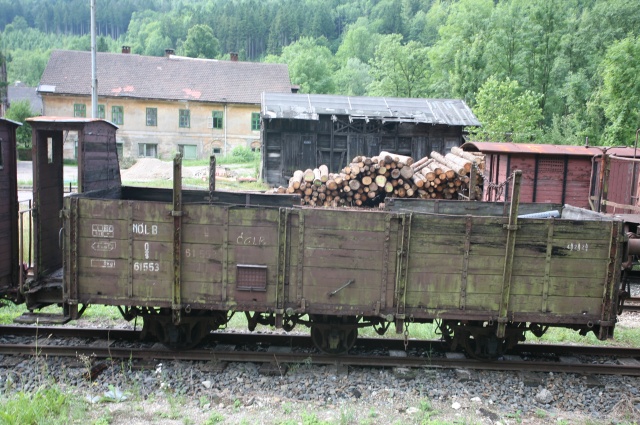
x=186, y=260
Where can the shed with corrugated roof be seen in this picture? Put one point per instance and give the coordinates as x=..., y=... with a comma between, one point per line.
x=302, y=131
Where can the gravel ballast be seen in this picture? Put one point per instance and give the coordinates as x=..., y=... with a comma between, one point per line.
x=203, y=392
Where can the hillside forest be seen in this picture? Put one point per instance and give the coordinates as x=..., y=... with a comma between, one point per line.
x=552, y=71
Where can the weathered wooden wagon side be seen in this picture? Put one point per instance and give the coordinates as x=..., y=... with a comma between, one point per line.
x=8, y=210
x=487, y=269
x=488, y=276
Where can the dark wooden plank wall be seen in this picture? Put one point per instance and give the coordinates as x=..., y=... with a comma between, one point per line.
x=576, y=272
x=48, y=200
x=8, y=206
x=292, y=144
x=98, y=160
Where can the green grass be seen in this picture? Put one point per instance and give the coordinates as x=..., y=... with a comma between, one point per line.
x=622, y=337
x=41, y=407
x=9, y=311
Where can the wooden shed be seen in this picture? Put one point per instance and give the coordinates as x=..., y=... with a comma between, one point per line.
x=556, y=173
x=301, y=131
x=8, y=208
x=98, y=169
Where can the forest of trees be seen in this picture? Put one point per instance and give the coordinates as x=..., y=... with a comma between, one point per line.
x=553, y=71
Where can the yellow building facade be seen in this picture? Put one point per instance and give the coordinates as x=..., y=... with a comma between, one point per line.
x=160, y=129
x=164, y=105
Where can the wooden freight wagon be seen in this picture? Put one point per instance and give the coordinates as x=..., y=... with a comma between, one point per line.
x=8, y=210
x=183, y=261
x=563, y=174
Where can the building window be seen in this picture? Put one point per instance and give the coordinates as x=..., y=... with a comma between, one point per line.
x=149, y=150
x=217, y=150
x=217, y=119
x=101, y=113
x=120, y=150
x=152, y=117
x=79, y=110
x=188, y=151
x=185, y=118
x=255, y=121
x=117, y=115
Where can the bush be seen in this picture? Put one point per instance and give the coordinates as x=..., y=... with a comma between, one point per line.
x=127, y=162
x=244, y=154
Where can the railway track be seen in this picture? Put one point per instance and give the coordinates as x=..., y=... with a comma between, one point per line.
x=632, y=304
x=279, y=351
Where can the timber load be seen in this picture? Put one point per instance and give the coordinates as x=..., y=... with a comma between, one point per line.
x=367, y=181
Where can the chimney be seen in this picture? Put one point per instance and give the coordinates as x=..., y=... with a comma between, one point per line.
x=126, y=50
x=168, y=52
x=233, y=56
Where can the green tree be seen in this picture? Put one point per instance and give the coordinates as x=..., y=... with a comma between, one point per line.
x=458, y=59
x=619, y=95
x=353, y=78
x=27, y=65
x=359, y=42
x=201, y=43
x=506, y=112
x=19, y=111
x=399, y=70
x=310, y=65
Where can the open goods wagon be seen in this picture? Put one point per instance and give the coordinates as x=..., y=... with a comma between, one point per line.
x=184, y=261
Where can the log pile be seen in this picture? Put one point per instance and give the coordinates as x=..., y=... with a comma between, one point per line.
x=367, y=181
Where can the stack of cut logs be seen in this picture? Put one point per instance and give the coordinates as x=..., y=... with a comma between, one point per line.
x=367, y=181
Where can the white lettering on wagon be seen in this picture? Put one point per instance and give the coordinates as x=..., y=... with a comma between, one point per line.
x=145, y=229
x=146, y=266
x=578, y=246
x=103, y=264
x=250, y=240
x=102, y=230
x=103, y=246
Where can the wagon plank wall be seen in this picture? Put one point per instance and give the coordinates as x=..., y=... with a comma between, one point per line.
x=98, y=150
x=447, y=274
x=347, y=248
x=8, y=205
x=48, y=190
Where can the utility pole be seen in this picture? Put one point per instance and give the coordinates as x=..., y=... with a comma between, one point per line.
x=94, y=76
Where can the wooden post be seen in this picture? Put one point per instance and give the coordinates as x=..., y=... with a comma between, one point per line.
x=472, y=183
x=212, y=174
x=512, y=228
x=176, y=305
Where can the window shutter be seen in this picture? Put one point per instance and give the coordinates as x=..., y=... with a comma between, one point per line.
x=210, y=122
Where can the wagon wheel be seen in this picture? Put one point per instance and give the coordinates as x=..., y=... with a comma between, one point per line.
x=182, y=337
x=333, y=336
x=193, y=328
x=474, y=339
x=485, y=347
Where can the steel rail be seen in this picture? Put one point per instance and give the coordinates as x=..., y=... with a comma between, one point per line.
x=280, y=359
x=304, y=341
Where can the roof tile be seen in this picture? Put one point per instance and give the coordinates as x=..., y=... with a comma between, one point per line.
x=167, y=78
